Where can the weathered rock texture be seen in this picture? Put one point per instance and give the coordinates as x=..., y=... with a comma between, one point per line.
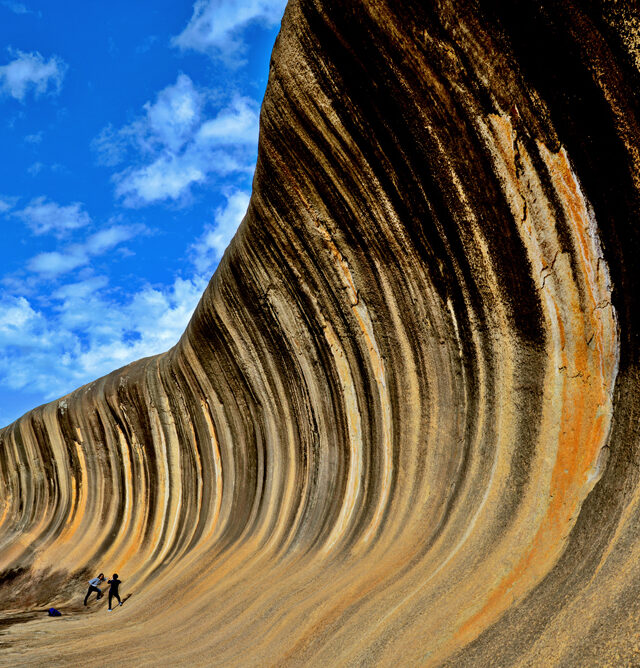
x=402, y=425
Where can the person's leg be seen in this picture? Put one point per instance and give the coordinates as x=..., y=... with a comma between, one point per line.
x=118, y=597
x=110, y=597
x=91, y=588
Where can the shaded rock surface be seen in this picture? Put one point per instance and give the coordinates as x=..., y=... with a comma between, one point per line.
x=402, y=424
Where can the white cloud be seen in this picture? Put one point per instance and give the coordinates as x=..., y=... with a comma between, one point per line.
x=172, y=118
x=150, y=323
x=81, y=290
x=173, y=146
x=106, y=239
x=6, y=204
x=110, y=146
x=35, y=138
x=167, y=178
x=18, y=8
x=30, y=72
x=44, y=217
x=235, y=124
x=209, y=248
x=16, y=314
x=52, y=264
x=168, y=124
x=89, y=333
x=35, y=169
x=216, y=26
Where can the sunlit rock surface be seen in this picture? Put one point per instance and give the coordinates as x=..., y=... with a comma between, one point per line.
x=402, y=425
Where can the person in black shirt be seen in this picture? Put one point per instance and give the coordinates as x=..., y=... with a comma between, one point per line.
x=113, y=589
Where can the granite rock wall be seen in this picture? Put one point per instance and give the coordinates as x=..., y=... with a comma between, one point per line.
x=401, y=427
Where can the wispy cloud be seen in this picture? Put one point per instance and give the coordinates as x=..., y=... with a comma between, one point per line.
x=173, y=146
x=18, y=8
x=30, y=72
x=54, y=263
x=7, y=203
x=146, y=44
x=35, y=168
x=216, y=26
x=15, y=313
x=35, y=138
x=168, y=123
x=167, y=177
x=209, y=248
x=89, y=333
x=43, y=217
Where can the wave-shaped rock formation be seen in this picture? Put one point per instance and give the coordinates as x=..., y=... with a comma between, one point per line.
x=402, y=425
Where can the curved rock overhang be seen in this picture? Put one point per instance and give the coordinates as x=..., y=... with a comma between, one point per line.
x=401, y=425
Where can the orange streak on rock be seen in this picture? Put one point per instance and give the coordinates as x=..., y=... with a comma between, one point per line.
x=587, y=376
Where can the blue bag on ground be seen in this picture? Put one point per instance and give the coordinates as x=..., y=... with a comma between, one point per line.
x=54, y=613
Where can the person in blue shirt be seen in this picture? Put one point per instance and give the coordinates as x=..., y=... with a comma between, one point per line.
x=93, y=586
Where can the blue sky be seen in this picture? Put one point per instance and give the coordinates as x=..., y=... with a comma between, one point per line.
x=128, y=134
